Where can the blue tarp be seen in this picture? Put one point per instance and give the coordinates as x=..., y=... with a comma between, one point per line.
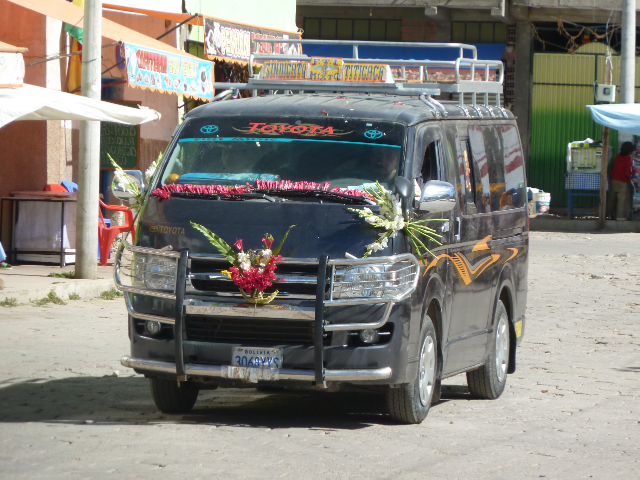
x=486, y=51
x=624, y=117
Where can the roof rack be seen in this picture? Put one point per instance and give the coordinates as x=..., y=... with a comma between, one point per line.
x=399, y=86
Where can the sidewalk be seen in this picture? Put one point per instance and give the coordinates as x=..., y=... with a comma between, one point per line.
x=27, y=283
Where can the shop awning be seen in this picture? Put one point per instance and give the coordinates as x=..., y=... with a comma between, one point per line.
x=6, y=48
x=225, y=40
x=624, y=117
x=150, y=62
x=36, y=103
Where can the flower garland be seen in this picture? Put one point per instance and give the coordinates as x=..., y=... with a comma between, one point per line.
x=261, y=186
x=252, y=271
x=392, y=221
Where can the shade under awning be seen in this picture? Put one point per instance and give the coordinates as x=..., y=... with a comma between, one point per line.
x=36, y=103
x=624, y=117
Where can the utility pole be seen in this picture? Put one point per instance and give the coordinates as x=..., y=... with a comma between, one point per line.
x=628, y=59
x=89, y=161
x=604, y=159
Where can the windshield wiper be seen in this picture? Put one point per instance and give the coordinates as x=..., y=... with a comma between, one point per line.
x=226, y=196
x=324, y=193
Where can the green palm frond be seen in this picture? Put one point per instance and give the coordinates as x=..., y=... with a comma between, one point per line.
x=223, y=247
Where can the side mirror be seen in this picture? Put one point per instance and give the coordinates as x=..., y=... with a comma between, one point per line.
x=122, y=194
x=437, y=197
x=404, y=188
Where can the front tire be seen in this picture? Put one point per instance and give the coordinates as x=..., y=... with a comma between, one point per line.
x=171, y=398
x=410, y=402
x=488, y=381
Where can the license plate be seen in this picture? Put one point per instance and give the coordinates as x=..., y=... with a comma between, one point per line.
x=257, y=357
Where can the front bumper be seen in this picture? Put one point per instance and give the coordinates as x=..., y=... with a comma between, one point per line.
x=319, y=316
x=253, y=375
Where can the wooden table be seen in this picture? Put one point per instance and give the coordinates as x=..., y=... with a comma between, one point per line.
x=56, y=197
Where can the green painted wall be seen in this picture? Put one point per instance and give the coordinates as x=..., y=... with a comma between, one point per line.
x=562, y=87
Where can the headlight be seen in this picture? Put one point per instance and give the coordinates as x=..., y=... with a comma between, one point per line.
x=160, y=273
x=375, y=280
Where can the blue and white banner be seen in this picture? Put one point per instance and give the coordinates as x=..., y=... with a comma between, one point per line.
x=155, y=69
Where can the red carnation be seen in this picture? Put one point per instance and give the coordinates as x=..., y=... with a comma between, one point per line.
x=238, y=244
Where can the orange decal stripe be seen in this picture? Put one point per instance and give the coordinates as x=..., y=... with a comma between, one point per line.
x=515, y=252
x=482, y=244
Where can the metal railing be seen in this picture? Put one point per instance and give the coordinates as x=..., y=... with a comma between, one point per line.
x=485, y=86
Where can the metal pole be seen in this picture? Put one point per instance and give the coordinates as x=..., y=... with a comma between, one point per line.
x=604, y=159
x=89, y=160
x=628, y=60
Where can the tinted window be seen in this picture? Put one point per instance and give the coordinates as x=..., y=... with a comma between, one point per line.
x=513, y=167
x=234, y=151
x=462, y=179
x=481, y=168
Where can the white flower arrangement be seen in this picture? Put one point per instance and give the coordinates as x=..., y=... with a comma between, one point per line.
x=392, y=221
x=123, y=182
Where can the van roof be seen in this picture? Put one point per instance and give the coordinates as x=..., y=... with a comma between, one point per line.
x=404, y=109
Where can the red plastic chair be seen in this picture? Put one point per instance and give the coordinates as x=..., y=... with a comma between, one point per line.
x=106, y=235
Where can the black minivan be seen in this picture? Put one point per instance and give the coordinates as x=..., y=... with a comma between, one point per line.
x=401, y=318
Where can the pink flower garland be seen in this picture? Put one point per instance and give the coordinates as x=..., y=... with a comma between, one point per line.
x=261, y=186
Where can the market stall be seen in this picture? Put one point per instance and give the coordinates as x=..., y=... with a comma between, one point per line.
x=624, y=118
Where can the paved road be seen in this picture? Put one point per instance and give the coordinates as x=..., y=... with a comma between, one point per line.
x=571, y=410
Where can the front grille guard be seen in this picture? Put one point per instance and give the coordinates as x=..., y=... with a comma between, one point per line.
x=134, y=262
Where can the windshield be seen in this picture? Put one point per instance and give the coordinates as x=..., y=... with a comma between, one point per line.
x=348, y=154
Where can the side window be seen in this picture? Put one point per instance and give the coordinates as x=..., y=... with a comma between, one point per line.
x=481, y=169
x=429, y=164
x=469, y=174
x=495, y=158
x=458, y=177
x=513, y=167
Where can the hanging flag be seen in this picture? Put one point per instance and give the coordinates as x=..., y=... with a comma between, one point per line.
x=74, y=71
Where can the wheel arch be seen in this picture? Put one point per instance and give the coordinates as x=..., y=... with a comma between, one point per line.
x=506, y=294
x=432, y=306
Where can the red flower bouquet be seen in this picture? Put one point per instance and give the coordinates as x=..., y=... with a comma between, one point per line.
x=252, y=271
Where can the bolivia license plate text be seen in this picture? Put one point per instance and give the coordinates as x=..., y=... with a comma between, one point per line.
x=259, y=357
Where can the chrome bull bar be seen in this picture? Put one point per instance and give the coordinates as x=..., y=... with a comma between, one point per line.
x=253, y=375
x=351, y=282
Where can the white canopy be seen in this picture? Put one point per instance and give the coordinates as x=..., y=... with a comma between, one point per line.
x=624, y=117
x=36, y=103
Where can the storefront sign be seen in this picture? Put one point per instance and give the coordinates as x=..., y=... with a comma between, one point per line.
x=120, y=141
x=164, y=71
x=325, y=69
x=285, y=70
x=229, y=41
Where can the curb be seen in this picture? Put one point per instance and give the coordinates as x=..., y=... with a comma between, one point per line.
x=62, y=288
x=544, y=223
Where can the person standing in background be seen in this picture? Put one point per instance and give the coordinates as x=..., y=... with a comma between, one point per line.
x=621, y=173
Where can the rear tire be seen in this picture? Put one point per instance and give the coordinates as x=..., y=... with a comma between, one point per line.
x=171, y=398
x=410, y=402
x=488, y=381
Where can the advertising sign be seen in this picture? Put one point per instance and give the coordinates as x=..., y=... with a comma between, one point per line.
x=325, y=69
x=120, y=141
x=167, y=72
x=285, y=70
x=229, y=41
x=365, y=72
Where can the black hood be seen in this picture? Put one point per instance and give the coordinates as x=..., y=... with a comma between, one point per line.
x=320, y=228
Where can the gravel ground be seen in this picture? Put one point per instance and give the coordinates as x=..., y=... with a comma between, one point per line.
x=68, y=409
